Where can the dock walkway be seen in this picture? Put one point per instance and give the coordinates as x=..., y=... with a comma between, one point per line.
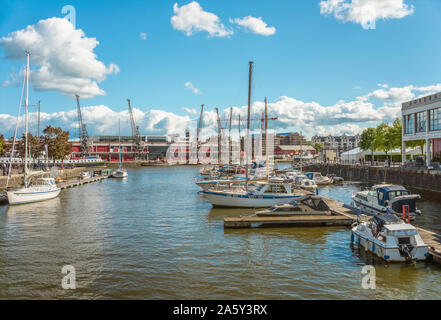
x=78, y=182
x=342, y=215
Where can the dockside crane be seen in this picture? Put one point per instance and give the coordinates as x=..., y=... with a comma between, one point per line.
x=82, y=132
x=198, y=132
x=135, y=134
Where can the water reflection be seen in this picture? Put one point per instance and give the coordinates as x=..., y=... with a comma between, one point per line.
x=151, y=236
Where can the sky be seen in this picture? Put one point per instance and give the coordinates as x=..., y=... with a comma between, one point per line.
x=326, y=66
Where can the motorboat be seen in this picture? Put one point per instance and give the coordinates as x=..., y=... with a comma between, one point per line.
x=390, y=238
x=387, y=197
x=308, y=205
x=41, y=189
x=318, y=178
x=266, y=194
x=335, y=179
x=120, y=172
x=85, y=175
x=303, y=182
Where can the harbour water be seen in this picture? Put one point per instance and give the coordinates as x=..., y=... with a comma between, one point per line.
x=151, y=236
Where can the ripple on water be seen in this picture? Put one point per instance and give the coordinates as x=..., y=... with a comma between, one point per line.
x=151, y=236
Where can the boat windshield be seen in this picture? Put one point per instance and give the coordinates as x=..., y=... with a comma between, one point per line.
x=398, y=193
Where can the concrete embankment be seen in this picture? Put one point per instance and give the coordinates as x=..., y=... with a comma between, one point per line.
x=63, y=174
x=419, y=179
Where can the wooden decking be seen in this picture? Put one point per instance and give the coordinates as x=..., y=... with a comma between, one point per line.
x=341, y=216
x=78, y=182
x=247, y=222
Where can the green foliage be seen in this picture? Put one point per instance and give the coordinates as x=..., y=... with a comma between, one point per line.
x=2, y=143
x=34, y=146
x=416, y=143
x=383, y=138
x=318, y=146
x=57, y=142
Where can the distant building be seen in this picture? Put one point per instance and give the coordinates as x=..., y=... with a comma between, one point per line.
x=422, y=121
x=289, y=139
x=293, y=150
x=340, y=143
x=106, y=147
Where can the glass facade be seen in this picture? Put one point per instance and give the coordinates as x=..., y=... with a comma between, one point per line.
x=421, y=120
x=435, y=119
x=409, y=123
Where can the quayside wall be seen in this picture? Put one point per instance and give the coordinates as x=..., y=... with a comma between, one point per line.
x=412, y=178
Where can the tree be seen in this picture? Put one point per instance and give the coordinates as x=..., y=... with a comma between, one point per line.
x=2, y=143
x=57, y=141
x=417, y=143
x=35, y=146
x=318, y=146
x=383, y=137
x=396, y=134
x=367, y=141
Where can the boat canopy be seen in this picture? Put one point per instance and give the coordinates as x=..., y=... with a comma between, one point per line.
x=383, y=219
x=313, y=201
x=389, y=192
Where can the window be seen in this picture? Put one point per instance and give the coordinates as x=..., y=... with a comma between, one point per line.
x=435, y=119
x=409, y=123
x=421, y=118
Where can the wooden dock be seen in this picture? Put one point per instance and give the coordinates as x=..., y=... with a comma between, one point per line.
x=254, y=221
x=342, y=215
x=78, y=182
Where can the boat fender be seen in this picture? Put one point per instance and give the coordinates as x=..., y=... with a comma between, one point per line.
x=373, y=247
x=352, y=237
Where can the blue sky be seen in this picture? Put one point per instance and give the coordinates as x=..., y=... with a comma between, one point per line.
x=314, y=60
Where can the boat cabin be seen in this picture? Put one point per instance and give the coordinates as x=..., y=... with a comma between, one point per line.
x=387, y=193
x=278, y=188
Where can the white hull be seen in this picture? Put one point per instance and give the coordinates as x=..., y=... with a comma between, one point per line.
x=27, y=196
x=373, y=209
x=225, y=199
x=391, y=254
x=120, y=174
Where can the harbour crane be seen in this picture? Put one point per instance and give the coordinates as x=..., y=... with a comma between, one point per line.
x=82, y=132
x=135, y=134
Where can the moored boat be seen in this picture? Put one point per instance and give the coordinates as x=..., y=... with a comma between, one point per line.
x=318, y=178
x=33, y=190
x=308, y=205
x=266, y=194
x=384, y=197
x=40, y=190
x=390, y=238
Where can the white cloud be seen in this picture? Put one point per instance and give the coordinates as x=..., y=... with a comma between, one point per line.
x=365, y=12
x=64, y=57
x=6, y=83
x=191, y=18
x=397, y=94
x=383, y=85
x=191, y=112
x=293, y=115
x=190, y=86
x=256, y=25
x=143, y=35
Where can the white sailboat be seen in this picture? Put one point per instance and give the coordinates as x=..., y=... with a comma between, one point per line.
x=40, y=189
x=120, y=172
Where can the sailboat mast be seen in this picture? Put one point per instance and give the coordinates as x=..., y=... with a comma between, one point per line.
x=119, y=142
x=240, y=145
x=249, y=117
x=26, y=116
x=266, y=140
x=229, y=138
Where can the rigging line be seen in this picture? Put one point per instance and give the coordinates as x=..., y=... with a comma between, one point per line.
x=15, y=134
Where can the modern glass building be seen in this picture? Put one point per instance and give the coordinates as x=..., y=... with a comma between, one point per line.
x=422, y=121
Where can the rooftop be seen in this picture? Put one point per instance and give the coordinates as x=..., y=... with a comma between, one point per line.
x=436, y=97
